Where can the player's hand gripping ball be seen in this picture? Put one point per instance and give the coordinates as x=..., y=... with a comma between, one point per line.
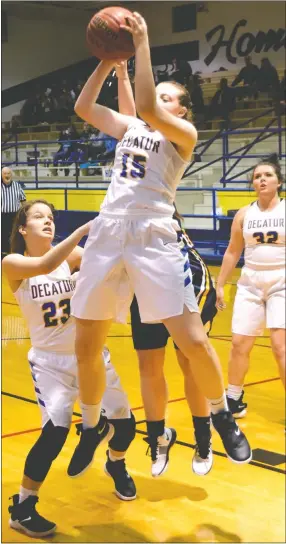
x=105, y=39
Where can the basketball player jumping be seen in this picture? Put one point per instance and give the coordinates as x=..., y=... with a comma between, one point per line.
x=260, y=297
x=42, y=283
x=133, y=243
x=150, y=341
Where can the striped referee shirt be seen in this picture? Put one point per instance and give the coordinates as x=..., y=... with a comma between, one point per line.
x=11, y=197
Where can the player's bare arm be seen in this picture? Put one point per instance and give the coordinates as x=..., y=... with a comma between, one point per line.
x=231, y=256
x=126, y=102
x=176, y=130
x=104, y=119
x=19, y=267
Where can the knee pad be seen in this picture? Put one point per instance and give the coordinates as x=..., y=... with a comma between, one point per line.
x=44, y=451
x=124, y=433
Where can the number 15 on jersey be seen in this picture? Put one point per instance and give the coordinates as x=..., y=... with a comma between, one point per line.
x=133, y=166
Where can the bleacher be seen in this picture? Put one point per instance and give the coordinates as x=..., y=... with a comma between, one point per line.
x=202, y=174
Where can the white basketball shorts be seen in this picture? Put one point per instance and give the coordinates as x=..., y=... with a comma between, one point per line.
x=125, y=256
x=56, y=387
x=259, y=302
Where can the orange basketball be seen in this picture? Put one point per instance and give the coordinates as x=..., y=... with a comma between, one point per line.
x=105, y=38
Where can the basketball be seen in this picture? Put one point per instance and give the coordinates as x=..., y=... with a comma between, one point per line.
x=105, y=39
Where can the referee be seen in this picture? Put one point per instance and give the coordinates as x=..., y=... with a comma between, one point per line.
x=12, y=195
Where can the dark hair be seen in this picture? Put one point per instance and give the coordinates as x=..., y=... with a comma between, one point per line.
x=184, y=99
x=17, y=242
x=271, y=160
x=177, y=215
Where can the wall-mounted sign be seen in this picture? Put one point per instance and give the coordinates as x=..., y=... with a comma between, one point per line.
x=246, y=44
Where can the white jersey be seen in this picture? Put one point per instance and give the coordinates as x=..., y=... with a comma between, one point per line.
x=45, y=303
x=146, y=172
x=264, y=237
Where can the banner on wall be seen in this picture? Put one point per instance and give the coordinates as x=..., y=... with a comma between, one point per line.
x=227, y=45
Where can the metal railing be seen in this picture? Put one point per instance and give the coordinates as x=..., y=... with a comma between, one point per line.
x=48, y=162
x=262, y=134
x=238, y=154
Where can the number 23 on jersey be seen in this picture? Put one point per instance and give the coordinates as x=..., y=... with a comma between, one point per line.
x=50, y=312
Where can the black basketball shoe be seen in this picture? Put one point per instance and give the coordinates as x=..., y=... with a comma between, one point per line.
x=238, y=408
x=89, y=441
x=203, y=457
x=235, y=442
x=25, y=518
x=124, y=485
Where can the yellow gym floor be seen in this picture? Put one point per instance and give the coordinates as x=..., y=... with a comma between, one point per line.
x=231, y=504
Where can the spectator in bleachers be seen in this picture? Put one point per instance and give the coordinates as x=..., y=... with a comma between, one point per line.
x=249, y=75
x=64, y=106
x=283, y=89
x=222, y=103
x=197, y=99
x=268, y=78
x=182, y=72
x=48, y=109
x=97, y=145
x=38, y=109
x=67, y=147
x=84, y=144
x=28, y=112
x=110, y=145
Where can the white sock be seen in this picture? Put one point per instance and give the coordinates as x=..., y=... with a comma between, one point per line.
x=218, y=405
x=113, y=458
x=234, y=391
x=25, y=493
x=90, y=414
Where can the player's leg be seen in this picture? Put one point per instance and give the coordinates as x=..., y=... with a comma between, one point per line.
x=116, y=408
x=89, y=344
x=188, y=333
x=247, y=323
x=275, y=319
x=166, y=279
x=198, y=404
x=154, y=389
x=102, y=283
x=124, y=433
x=149, y=342
x=199, y=407
x=56, y=393
x=237, y=369
x=24, y=516
x=278, y=341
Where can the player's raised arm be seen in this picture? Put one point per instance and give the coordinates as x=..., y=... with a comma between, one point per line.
x=19, y=267
x=106, y=120
x=126, y=102
x=174, y=127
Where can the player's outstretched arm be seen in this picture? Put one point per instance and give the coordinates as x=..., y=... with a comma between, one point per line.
x=126, y=102
x=106, y=120
x=176, y=130
x=231, y=256
x=20, y=267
